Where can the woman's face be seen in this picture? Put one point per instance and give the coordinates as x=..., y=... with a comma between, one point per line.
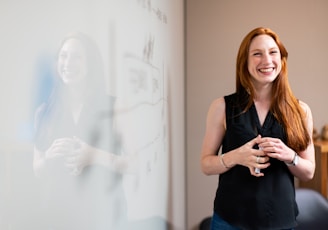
x=264, y=60
x=72, y=63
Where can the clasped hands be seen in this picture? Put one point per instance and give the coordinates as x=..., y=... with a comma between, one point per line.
x=258, y=158
x=77, y=153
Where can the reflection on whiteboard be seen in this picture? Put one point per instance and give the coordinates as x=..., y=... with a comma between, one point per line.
x=75, y=154
x=60, y=178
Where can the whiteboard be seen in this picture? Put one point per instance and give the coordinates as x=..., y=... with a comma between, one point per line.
x=135, y=39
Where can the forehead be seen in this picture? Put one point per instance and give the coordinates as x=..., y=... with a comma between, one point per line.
x=263, y=42
x=73, y=45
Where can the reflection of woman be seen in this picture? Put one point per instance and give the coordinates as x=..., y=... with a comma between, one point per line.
x=75, y=143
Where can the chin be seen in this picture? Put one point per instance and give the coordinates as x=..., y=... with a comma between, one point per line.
x=68, y=79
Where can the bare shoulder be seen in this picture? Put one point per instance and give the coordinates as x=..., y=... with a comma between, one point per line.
x=308, y=116
x=305, y=107
x=217, y=106
x=216, y=114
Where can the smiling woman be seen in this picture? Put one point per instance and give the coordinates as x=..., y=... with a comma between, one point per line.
x=266, y=139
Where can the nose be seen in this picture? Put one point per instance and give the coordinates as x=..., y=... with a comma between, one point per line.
x=68, y=60
x=266, y=58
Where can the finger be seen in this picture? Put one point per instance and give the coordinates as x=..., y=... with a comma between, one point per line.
x=273, y=155
x=257, y=170
x=75, y=153
x=78, y=142
x=258, y=152
x=270, y=139
x=71, y=164
x=255, y=141
x=269, y=146
x=76, y=171
x=75, y=138
x=73, y=161
x=261, y=166
x=52, y=154
x=61, y=151
x=270, y=142
x=256, y=174
x=55, y=151
x=272, y=149
x=63, y=140
x=61, y=148
x=262, y=159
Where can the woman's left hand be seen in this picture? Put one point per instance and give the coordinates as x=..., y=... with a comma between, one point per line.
x=79, y=158
x=275, y=148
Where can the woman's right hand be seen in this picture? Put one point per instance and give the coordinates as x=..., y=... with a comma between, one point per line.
x=60, y=147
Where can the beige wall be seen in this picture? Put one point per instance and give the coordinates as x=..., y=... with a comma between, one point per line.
x=214, y=31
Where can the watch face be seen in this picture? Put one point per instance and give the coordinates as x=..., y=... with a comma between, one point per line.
x=295, y=161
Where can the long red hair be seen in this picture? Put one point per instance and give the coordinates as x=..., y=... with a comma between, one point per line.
x=285, y=106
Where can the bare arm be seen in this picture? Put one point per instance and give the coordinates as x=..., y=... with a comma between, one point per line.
x=215, y=130
x=81, y=156
x=275, y=148
x=246, y=155
x=86, y=154
x=306, y=165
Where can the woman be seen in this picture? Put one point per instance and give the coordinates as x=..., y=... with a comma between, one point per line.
x=266, y=139
x=75, y=145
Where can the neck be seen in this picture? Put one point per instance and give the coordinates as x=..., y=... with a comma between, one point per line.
x=263, y=94
x=76, y=93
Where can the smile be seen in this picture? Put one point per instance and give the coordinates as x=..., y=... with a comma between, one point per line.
x=266, y=70
x=68, y=71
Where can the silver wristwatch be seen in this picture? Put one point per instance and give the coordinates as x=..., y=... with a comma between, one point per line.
x=294, y=162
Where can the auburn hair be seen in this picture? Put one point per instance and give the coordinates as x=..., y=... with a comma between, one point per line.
x=285, y=107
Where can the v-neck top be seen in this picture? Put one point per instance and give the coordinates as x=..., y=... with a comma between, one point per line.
x=95, y=197
x=247, y=201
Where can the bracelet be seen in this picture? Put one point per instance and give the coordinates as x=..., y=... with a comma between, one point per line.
x=222, y=162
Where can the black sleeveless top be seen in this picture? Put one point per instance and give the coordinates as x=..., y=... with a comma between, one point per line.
x=247, y=201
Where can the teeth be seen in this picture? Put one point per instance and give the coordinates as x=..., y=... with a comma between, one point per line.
x=266, y=70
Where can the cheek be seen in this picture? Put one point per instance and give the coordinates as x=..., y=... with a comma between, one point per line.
x=83, y=68
x=279, y=66
x=251, y=66
x=59, y=67
x=253, y=62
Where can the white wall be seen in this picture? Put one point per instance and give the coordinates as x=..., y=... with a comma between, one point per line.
x=214, y=32
x=147, y=35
